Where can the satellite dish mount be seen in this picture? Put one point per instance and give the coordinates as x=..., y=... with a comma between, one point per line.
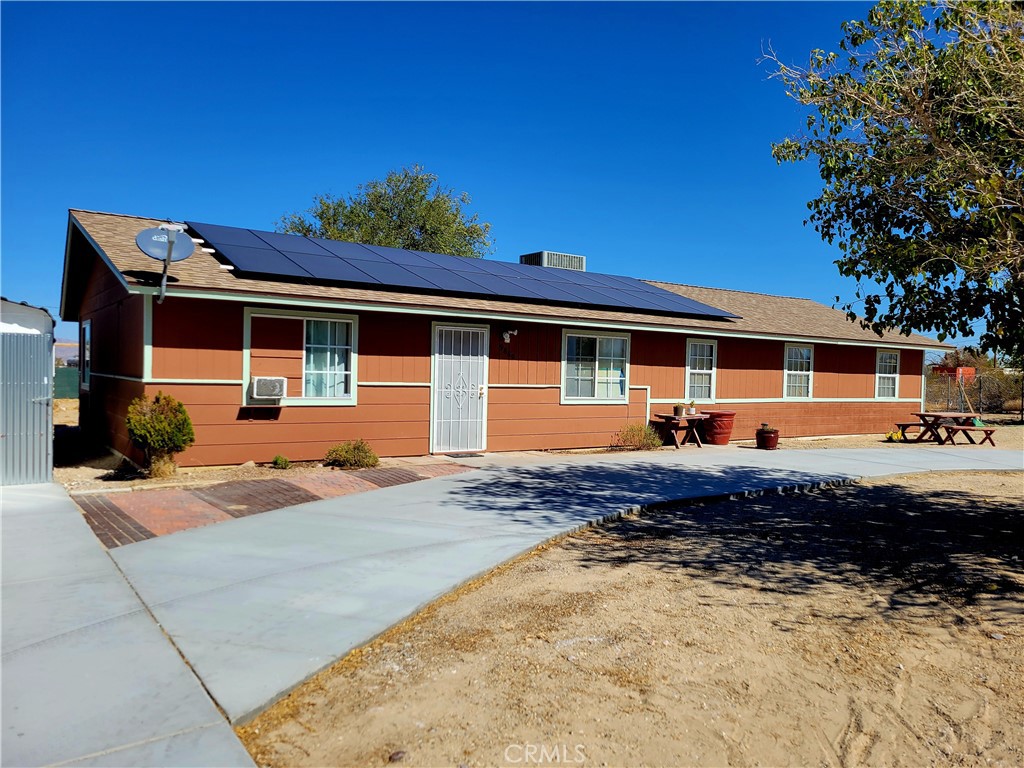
x=165, y=243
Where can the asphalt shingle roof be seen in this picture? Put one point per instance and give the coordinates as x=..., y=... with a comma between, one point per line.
x=759, y=314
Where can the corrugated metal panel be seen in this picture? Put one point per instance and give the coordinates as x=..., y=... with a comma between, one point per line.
x=26, y=408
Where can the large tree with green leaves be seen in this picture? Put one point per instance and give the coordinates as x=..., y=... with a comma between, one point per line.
x=917, y=124
x=407, y=209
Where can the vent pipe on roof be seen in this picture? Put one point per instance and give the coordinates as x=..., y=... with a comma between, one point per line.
x=556, y=260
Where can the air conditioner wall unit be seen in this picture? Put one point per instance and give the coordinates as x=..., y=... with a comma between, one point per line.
x=269, y=387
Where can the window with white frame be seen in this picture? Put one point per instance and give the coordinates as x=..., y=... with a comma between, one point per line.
x=700, y=369
x=887, y=371
x=85, y=354
x=327, y=359
x=595, y=367
x=799, y=364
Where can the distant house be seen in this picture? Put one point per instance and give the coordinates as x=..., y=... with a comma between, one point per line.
x=26, y=384
x=286, y=344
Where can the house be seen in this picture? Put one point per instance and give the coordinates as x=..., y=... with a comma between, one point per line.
x=281, y=344
x=26, y=382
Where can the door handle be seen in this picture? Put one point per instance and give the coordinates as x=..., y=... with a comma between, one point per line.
x=480, y=394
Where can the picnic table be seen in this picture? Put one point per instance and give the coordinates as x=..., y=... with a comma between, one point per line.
x=687, y=424
x=930, y=422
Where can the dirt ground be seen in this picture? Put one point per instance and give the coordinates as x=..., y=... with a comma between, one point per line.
x=874, y=624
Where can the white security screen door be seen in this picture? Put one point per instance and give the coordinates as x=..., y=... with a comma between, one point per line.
x=460, y=389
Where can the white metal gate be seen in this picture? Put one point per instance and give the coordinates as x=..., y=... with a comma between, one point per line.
x=459, y=397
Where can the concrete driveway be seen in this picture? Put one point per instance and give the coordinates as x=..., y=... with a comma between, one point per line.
x=259, y=604
x=88, y=676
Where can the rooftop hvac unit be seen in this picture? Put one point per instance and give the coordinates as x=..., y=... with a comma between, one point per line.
x=555, y=259
x=269, y=387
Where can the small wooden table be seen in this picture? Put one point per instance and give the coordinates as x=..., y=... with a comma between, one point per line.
x=687, y=424
x=932, y=420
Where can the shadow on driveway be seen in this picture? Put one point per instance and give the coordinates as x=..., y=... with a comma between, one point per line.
x=571, y=494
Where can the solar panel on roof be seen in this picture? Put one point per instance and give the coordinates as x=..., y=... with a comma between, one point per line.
x=447, y=280
x=290, y=243
x=328, y=267
x=317, y=259
x=346, y=250
x=390, y=274
x=261, y=260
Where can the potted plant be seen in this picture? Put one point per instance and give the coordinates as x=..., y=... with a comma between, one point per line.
x=679, y=410
x=693, y=407
x=767, y=437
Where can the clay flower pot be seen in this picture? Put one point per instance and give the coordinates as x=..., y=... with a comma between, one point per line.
x=767, y=439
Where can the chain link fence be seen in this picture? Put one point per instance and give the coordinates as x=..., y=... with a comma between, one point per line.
x=991, y=391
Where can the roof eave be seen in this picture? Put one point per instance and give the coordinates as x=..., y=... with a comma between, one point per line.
x=75, y=224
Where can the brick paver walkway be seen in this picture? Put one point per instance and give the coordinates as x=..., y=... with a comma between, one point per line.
x=124, y=518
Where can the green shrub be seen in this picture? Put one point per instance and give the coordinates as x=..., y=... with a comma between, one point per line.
x=638, y=437
x=161, y=427
x=355, y=454
x=280, y=462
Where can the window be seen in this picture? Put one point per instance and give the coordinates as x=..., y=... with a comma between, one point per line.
x=700, y=370
x=798, y=370
x=595, y=367
x=85, y=355
x=327, y=362
x=887, y=371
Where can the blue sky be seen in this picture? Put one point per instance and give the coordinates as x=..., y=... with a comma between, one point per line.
x=636, y=134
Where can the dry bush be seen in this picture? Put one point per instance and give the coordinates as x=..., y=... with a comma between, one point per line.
x=637, y=437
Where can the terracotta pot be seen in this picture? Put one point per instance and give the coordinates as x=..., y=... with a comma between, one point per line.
x=718, y=427
x=767, y=439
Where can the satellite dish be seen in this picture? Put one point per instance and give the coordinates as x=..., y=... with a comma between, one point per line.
x=153, y=242
x=165, y=243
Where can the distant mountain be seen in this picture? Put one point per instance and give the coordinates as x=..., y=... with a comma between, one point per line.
x=65, y=349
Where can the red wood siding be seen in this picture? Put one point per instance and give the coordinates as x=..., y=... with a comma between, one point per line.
x=394, y=347
x=197, y=339
x=533, y=419
x=844, y=371
x=117, y=324
x=911, y=370
x=532, y=356
x=394, y=420
x=201, y=339
x=103, y=410
x=749, y=368
x=658, y=361
x=807, y=419
x=276, y=345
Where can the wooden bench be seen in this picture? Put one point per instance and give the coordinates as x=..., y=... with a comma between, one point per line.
x=951, y=432
x=903, y=427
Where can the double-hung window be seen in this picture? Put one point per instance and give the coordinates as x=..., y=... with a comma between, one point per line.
x=327, y=361
x=887, y=371
x=799, y=365
x=595, y=367
x=700, y=370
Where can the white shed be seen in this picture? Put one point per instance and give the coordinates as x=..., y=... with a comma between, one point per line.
x=26, y=394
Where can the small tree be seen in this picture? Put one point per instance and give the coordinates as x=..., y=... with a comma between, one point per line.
x=408, y=209
x=160, y=427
